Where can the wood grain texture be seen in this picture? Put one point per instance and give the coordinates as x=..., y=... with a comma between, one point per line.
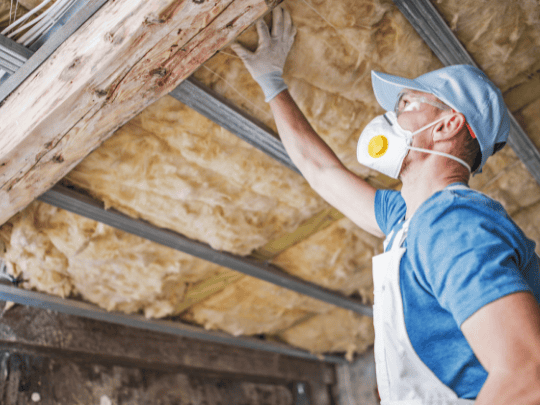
x=125, y=57
x=47, y=332
x=50, y=380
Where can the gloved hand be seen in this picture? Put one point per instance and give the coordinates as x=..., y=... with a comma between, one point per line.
x=267, y=62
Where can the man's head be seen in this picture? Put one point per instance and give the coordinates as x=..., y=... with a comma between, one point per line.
x=463, y=88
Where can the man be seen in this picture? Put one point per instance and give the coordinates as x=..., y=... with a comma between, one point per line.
x=456, y=309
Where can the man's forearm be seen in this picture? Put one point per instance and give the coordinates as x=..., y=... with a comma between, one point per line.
x=306, y=149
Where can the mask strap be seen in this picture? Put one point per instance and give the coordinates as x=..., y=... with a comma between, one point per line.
x=434, y=152
x=428, y=125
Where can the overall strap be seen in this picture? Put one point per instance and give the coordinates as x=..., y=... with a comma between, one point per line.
x=402, y=234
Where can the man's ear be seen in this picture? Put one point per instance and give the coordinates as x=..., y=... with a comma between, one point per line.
x=449, y=127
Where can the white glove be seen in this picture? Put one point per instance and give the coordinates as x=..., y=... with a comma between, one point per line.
x=267, y=62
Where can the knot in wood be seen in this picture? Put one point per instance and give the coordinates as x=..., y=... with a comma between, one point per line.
x=160, y=71
x=153, y=19
x=198, y=1
x=58, y=158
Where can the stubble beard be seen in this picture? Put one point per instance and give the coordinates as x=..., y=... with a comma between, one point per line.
x=405, y=165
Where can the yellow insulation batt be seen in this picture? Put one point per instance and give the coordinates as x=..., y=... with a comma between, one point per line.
x=336, y=331
x=7, y=12
x=337, y=45
x=64, y=254
x=178, y=170
x=502, y=36
x=338, y=258
x=251, y=306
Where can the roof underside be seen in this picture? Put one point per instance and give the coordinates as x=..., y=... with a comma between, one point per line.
x=178, y=170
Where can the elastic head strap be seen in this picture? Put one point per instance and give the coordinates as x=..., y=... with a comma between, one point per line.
x=434, y=152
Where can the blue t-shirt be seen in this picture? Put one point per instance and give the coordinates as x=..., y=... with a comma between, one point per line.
x=463, y=252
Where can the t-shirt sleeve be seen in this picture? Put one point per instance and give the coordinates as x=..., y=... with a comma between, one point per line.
x=466, y=257
x=390, y=207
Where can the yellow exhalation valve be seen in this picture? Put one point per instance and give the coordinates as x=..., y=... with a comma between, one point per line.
x=378, y=146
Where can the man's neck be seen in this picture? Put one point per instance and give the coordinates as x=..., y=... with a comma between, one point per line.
x=422, y=184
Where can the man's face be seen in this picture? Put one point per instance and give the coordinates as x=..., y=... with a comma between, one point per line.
x=415, y=110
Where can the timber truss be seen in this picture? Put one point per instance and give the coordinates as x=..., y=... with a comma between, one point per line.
x=21, y=63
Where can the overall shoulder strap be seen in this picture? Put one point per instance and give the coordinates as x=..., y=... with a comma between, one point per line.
x=402, y=234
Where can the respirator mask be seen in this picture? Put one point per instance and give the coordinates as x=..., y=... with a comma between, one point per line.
x=383, y=144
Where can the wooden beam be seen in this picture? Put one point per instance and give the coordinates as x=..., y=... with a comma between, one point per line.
x=51, y=333
x=129, y=54
x=356, y=382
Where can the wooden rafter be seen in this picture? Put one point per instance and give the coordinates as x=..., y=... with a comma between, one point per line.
x=129, y=54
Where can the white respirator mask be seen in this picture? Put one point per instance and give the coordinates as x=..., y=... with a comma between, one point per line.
x=383, y=145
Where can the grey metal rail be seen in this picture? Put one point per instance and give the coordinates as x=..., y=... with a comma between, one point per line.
x=429, y=24
x=224, y=113
x=78, y=308
x=77, y=203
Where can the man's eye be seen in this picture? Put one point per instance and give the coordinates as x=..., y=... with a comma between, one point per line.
x=403, y=104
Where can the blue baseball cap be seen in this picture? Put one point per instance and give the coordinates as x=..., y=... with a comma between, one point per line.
x=467, y=90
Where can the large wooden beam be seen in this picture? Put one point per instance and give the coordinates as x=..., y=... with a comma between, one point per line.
x=45, y=333
x=129, y=54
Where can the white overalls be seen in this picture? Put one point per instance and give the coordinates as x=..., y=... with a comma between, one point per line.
x=402, y=377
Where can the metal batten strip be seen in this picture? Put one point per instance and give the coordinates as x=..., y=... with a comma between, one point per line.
x=429, y=24
x=72, y=201
x=224, y=113
x=86, y=8
x=12, y=48
x=7, y=65
x=82, y=309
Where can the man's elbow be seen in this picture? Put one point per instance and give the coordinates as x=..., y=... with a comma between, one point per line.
x=518, y=386
x=317, y=176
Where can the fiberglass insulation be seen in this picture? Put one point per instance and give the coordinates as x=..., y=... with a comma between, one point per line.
x=176, y=169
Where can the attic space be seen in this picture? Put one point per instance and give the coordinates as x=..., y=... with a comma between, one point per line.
x=161, y=162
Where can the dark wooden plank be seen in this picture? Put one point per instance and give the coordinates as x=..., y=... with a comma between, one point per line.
x=50, y=333
x=356, y=382
x=54, y=380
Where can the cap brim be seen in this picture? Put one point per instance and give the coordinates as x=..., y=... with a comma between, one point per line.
x=387, y=88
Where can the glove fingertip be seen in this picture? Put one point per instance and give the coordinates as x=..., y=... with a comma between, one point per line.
x=240, y=50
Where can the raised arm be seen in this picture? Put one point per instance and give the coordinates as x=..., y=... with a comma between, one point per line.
x=341, y=188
